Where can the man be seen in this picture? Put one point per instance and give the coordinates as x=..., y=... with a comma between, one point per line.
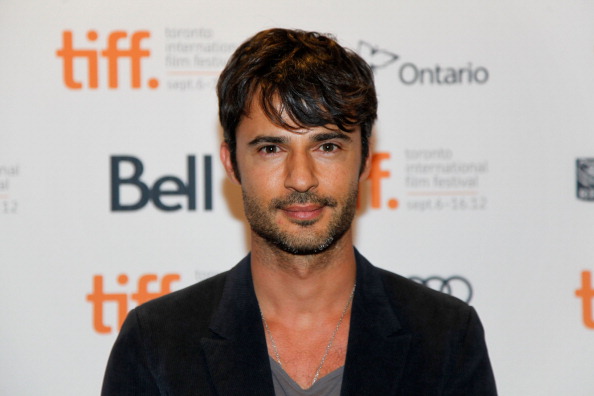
x=304, y=313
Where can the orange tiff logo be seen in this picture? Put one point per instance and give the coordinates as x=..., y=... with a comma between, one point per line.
x=112, y=53
x=586, y=293
x=98, y=297
x=376, y=174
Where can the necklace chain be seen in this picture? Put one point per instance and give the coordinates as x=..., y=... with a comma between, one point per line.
x=328, y=347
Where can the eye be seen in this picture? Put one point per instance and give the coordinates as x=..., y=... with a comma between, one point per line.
x=270, y=149
x=328, y=147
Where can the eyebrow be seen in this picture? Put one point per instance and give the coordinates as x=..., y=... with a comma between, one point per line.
x=331, y=135
x=269, y=139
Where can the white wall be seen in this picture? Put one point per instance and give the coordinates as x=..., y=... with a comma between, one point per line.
x=482, y=165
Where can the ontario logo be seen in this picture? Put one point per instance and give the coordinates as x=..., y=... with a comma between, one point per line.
x=410, y=73
x=95, y=60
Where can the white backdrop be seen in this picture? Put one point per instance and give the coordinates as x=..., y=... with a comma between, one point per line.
x=485, y=122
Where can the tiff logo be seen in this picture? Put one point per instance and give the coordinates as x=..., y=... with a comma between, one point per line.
x=586, y=293
x=113, y=52
x=376, y=174
x=98, y=298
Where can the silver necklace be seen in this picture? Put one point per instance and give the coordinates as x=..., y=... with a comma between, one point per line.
x=328, y=347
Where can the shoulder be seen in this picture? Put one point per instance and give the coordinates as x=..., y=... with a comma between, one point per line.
x=191, y=307
x=160, y=336
x=447, y=340
x=417, y=305
x=418, y=309
x=408, y=291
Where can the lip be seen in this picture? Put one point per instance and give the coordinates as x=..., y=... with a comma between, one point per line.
x=303, y=212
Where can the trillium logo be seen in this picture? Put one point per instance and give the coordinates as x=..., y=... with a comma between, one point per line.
x=376, y=58
x=410, y=73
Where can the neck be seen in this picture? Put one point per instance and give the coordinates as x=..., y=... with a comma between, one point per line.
x=302, y=288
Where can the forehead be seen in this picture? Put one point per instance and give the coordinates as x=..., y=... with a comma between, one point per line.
x=256, y=122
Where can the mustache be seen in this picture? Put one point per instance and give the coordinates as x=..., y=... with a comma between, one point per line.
x=302, y=198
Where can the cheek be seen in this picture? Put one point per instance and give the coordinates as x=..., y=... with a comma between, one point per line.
x=255, y=168
x=341, y=176
x=259, y=181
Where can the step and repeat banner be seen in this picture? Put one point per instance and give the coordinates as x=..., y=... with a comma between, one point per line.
x=111, y=190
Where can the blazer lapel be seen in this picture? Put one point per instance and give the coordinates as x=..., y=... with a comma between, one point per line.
x=377, y=347
x=236, y=354
x=237, y=357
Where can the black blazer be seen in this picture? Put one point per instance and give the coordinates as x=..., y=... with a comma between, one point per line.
x=208, y=339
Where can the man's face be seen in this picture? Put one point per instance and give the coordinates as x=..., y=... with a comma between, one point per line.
x=299, y=188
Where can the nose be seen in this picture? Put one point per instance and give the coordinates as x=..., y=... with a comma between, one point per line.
x=300, y=172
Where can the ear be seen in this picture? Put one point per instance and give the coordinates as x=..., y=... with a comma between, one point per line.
x=366, y=168
x=227, y=163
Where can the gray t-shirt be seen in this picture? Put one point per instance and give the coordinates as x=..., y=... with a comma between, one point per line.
x=329, y=385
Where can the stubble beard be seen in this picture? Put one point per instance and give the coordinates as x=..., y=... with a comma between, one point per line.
x=306, y=241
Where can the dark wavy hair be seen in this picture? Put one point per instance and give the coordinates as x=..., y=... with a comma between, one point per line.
x=307, y=76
